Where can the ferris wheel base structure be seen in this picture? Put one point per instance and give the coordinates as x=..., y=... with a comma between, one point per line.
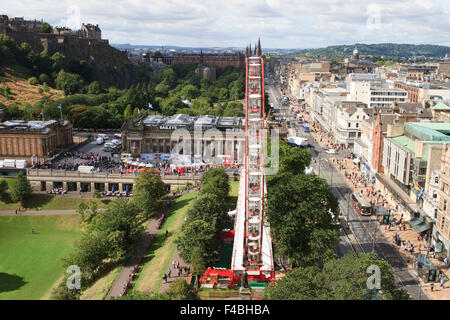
x=264, y=272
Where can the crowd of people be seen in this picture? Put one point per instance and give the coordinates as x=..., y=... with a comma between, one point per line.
x=72, y=160
x=178, y=269
x=60, y=191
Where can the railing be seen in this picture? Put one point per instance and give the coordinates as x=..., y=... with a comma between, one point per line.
x=64, y=173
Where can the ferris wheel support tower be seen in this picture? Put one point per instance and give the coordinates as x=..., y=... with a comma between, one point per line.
x=252, y=249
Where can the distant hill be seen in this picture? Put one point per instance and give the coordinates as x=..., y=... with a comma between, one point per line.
x=381, y=49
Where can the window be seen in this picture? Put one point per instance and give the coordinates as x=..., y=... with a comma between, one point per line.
x=444, y=207
x=435, y=213
x=434, y=195
x=349, y=124
x=436, y=180
x=443, y=223
x=357, y=124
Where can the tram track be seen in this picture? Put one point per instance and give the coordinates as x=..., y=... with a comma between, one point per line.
x=366, y=241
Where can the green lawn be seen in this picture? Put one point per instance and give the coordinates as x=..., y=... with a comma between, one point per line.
x=48, y=202
x=160, y=255
x=31, y=264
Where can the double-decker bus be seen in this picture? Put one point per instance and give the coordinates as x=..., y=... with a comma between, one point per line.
x=361, y=205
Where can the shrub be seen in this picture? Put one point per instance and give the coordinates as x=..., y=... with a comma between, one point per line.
x=33, y=81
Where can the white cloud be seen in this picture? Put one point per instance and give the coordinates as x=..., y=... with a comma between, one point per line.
x=279, y=23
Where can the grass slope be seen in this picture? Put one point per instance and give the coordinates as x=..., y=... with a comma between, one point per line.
x=30, y=264
x=162, y=250
x=160, y=255
x=21, y=91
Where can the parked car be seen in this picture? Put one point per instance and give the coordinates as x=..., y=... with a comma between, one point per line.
x=108, y=147
x=102, y=135
x=116, y=142
x=100, y=140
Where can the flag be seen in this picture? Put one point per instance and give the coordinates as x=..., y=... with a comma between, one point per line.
x=150, y=105
x=422, y=191
x=139, y=111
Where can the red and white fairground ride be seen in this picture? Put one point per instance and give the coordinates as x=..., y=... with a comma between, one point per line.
x=252, y=246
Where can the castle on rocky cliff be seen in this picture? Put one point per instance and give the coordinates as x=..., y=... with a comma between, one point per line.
x=110, y=65
x=19, y=24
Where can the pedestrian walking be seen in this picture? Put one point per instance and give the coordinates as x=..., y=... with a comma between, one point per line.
x=169, y=272
x=443, y=284
x=446, y=261
x=167, y=233
x=173, y=263
x=179, y=272
x=432, y=286
x=32, y=231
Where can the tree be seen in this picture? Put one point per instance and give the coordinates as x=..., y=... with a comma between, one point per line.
x=69, y=82
x=21, y=188
x=168, y=77
x=162, y=90
x=128, y=113
x=58, y=60
x=198, y=242
x=46, y=28
x=210, y=207
x=62, y=292
x=293, y=159
x=43, y=78
x=215, y=181
x=3, y=187
x=94, y=88
x=340, y=279
x=148, y=192
x=181, y=290
x=171, y=105
x=298, y=211
x=190, y=92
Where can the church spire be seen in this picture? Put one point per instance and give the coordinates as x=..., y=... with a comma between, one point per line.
x=259, y=53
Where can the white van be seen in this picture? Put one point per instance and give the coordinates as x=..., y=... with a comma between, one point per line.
x=100, y=140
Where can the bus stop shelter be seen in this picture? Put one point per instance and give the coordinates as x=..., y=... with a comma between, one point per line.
x=383, y=215
x=425, y=268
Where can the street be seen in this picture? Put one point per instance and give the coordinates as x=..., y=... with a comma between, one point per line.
x=364, y=231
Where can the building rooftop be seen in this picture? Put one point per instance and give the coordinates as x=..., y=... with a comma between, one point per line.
x=403, y=142
x=429, y=131
x=185, y=120
x=441, y=106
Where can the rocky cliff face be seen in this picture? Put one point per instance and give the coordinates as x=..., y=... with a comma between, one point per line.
x=111, y=66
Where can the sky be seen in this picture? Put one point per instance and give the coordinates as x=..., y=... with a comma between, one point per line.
x=236, y=23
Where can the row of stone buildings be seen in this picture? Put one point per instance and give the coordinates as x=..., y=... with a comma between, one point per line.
x=397, y=122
